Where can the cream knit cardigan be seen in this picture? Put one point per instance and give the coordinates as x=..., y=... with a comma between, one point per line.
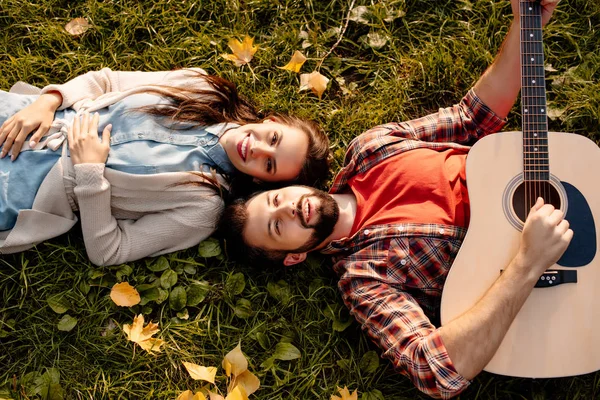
x=124, y=217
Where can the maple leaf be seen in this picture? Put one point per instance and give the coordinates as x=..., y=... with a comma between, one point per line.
x=315, y=82
x=141, y=335
x=77, y=26
x=124, y=295
x=188, y=395
x=295, y=63
x=242, y=51
x=199, y=372
x=345, y=394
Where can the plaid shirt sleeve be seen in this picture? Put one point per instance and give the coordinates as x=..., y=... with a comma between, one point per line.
x=394, y=320
x=462, y=123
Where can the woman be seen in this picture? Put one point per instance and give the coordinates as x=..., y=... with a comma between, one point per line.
x=177, y=139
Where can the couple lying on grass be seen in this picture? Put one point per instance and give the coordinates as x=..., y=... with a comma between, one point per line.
x=175, y=143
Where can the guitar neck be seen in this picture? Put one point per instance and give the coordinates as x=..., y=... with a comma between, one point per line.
x=533, y=94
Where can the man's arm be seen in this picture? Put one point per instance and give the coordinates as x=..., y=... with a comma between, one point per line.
x=472, y=339
x=499, y=85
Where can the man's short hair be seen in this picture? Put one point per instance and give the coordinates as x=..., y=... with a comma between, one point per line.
x=231, y=230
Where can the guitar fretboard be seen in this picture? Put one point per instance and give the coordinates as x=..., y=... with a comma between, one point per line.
x=533, y=94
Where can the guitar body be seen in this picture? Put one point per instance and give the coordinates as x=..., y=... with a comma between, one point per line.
x=557, y=330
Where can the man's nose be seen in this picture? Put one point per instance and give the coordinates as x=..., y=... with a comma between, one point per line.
x=288, y=209
x=260, y=148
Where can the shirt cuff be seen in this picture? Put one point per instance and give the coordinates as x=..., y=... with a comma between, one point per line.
x=484, y=117
x=89, y=177
x=448, y=381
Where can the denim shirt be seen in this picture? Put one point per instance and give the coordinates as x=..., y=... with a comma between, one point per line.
x=145, y=144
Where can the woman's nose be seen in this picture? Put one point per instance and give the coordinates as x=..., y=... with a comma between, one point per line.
x=259, y=148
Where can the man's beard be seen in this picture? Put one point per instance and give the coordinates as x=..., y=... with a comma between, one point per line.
x=328, y=212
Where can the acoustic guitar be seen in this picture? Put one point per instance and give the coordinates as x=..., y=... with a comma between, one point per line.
x=557, y=331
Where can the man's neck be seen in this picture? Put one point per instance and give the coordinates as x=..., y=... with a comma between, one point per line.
x=343, y=227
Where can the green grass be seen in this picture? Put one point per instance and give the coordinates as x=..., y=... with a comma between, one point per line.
x=434, y=54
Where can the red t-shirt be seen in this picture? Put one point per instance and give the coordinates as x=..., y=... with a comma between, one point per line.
x=418, y=186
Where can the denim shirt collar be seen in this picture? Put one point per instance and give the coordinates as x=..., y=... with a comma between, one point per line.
x=214, y=149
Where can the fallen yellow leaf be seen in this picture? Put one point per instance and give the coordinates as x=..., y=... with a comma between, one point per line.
x=234, y=362
x=188, y=395
x=215, y=396
x=238, y=393
x=77, y=26
x=242, y=51
x=345, y=394
x=295, y=63
x=315, y=82
x=247, y=380
x=199, y=372
x=124, y=295
x=141, y=335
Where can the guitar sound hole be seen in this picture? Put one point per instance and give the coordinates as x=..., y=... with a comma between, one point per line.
x=527, y=193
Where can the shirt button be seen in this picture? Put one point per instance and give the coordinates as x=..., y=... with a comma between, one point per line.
x=367, y=232
x=403, y=262
x=442, y=231
x=202, y=142
x=140, y=135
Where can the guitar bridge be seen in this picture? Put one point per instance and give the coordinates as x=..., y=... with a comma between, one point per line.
x=553, y=277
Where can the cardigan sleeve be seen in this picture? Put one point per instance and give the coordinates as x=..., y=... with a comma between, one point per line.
x=94, y=84
x=109, y=241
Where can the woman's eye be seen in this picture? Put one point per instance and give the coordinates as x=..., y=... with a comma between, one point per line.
x=277, y=227
x=276, y=200
x=269, y=165
x=274, y=139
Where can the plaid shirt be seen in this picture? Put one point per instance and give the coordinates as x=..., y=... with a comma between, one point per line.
x=391, y=276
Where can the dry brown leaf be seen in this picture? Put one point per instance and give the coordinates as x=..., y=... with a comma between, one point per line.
x=295, y=63
x=188, y=395
x=345, y=393
x=234, y=362
x=315, y=82
x=124, y=295
x=77, y=26
x=238, y=393
x=242, y=51
x=199, y=372
x=141, y=335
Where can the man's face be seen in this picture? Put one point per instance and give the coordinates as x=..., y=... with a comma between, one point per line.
x=294, y=219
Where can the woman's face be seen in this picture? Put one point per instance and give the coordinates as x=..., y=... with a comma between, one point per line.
x=269, y=151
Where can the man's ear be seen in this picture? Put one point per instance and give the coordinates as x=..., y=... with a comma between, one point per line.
x=293, y=259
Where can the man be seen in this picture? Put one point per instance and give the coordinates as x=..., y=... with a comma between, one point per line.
x=394, y=221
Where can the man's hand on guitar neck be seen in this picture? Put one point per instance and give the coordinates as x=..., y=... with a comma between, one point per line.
x=548, y=7
x=472, y=339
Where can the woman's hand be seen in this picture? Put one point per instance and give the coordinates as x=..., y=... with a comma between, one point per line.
x=84, y=144
x=39, y=114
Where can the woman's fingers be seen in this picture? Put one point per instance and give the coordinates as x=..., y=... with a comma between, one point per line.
x=93, y=130
x=9, y=140
x=106, y=135
x=85, y=125
x=5, y=129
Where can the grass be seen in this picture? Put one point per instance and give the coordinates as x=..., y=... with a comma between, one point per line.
x=433, y=54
